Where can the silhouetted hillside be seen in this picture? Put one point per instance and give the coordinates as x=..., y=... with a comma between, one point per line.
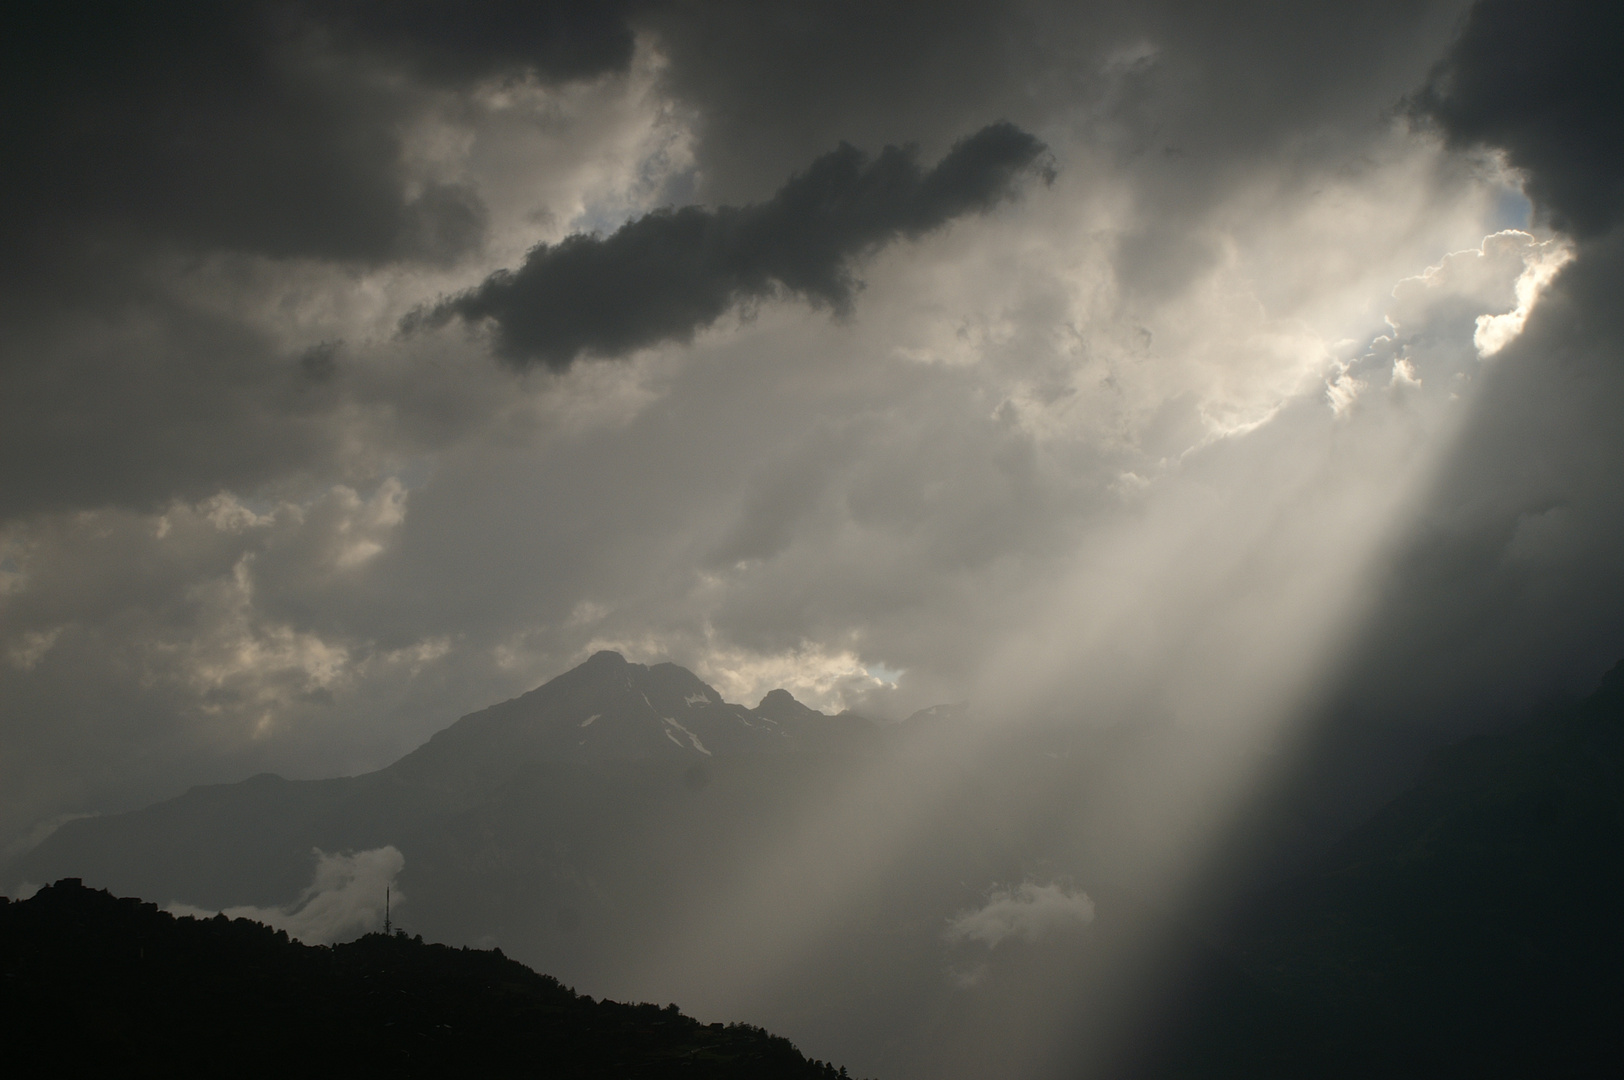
x=92, y=982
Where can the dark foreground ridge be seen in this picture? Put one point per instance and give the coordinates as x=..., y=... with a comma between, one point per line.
x=93, y=982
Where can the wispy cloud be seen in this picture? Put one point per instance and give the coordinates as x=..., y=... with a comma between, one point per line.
x=345, y=899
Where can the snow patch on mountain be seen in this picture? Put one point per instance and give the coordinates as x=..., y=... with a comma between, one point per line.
x=691, y=736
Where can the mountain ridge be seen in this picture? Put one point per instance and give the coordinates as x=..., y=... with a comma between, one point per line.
x=1452, y=915
x=652, y=732
x=609, y=708
x=117, y=985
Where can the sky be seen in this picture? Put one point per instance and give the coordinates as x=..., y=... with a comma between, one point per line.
x=1251, y=368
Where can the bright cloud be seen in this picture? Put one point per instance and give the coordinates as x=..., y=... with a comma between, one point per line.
x=1025, y=912
x=345, y=899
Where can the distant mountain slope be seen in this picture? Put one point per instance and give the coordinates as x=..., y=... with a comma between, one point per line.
x=1474, y=927
x=580, y=826
x=588, y=835
x=602, y=724
x=93, y=984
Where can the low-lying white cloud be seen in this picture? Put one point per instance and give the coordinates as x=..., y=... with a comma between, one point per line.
x=1027, y=912
x=345, y=899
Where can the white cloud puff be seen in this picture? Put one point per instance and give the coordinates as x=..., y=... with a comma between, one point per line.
x=345, y=899
x=1027, y=911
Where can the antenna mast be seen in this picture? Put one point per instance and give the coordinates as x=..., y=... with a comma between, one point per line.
x=386, y=910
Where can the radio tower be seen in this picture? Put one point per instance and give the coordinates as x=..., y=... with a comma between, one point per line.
x=386, y=911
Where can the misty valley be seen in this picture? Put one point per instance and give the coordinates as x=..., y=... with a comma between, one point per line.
x=624, y=830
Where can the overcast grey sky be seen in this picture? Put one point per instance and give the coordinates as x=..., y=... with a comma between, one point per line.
x=365, y=364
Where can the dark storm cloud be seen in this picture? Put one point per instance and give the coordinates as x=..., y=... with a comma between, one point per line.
x=260, y=127
x=441, y=39
x=772, y=78
x=134, y=415
x=1542, y=81
x=775, y=82
x=1505, y=591
x=1509, y=585
x=149, y=145
x=672, y=272
x=1185, y=98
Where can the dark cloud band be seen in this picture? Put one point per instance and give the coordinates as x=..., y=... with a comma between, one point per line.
x=1542, y=82
x=670, y=273
x=267, y=126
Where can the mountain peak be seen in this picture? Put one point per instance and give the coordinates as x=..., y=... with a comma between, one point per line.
x=606, y=708
x=780, y=705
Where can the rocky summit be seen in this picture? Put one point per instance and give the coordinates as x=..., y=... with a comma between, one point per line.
x=609, y=709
